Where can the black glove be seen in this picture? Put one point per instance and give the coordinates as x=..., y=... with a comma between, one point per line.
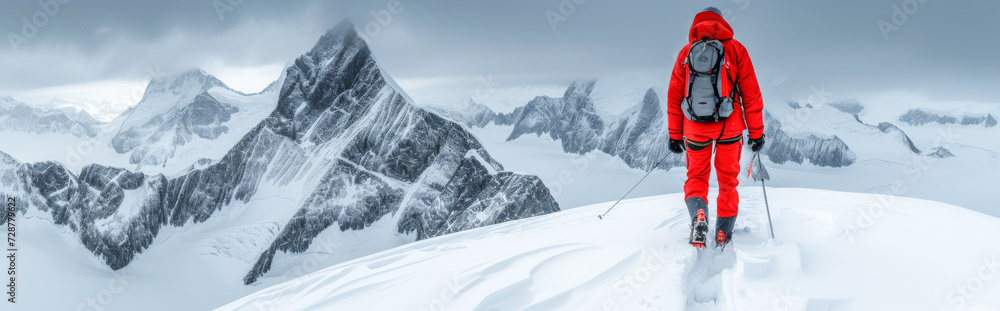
x=757, y=143
x=676, y=146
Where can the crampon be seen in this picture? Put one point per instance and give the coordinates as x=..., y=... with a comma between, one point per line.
x=699, y=230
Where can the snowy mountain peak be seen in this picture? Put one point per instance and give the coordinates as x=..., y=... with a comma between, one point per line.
x=84, y=109
x=190, y=107
x=650, y=102
x=8, y=101
x=188, y=83
x=580, y=88
x=341, y=38
x=335, y=65
x=276, y=85
x=343, y=31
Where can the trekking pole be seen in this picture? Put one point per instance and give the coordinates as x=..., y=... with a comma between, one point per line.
x=601, y=216
x=764, y=188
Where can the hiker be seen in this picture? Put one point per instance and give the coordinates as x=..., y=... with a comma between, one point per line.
x=712, y=98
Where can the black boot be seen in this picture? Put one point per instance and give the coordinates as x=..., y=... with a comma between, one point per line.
x=695, y=204
x=724, y=230
x=699, y=225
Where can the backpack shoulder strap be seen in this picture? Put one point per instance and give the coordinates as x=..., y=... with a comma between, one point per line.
x=734, y=80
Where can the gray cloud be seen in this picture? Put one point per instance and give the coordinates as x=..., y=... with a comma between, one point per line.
x=943, y=49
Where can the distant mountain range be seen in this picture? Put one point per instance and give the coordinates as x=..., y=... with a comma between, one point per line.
x=896, y=145
x=101, y=111
x=637, y=135
x=19, y=117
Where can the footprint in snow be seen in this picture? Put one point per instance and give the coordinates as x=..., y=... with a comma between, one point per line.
x=704, y=284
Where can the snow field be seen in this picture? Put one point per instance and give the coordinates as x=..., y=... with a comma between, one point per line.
x=638, y=258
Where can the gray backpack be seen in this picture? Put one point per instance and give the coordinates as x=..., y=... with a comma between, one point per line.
x=704, y=103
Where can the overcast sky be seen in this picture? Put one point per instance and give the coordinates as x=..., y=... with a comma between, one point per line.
x=102, y=49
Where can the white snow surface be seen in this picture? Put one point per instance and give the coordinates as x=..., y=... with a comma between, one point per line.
x=194, y=267
x=833, y=251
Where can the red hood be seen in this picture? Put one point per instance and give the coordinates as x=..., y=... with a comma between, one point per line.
x=710, y=25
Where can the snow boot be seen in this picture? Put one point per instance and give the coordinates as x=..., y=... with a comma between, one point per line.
x=694, y=205
x=724, y=231
x=699, y=224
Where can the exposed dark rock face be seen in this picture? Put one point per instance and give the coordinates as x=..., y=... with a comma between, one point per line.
x=781, y=148
x=940, y=153
x=850, y=107
x=889, y=128
x=638, y=137
x=571, y=119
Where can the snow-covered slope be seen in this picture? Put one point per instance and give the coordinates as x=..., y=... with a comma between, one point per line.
x=185, y=118
x=834, y=251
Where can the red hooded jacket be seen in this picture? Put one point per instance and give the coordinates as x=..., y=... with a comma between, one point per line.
x=749, y=105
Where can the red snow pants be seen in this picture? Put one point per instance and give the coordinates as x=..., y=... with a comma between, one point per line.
x=727, y=168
